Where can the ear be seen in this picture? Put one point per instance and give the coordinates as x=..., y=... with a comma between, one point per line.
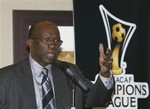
x=29, y=43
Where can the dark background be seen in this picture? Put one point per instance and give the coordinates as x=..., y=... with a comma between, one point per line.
x=90, y=31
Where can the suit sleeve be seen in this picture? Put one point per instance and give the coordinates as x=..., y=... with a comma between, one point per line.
x=9, y=92
x=3, y=89
x=98, y=94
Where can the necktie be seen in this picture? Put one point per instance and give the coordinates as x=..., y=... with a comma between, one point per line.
x=47, y=91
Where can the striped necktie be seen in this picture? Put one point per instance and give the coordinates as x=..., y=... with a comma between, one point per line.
x=47, y=91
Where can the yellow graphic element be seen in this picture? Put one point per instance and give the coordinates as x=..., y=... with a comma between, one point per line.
x=66, y=56
x=118, y=32
x=118, y=35
x=115, y=65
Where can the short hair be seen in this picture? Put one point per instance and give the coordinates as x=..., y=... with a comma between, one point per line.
x=37, y=24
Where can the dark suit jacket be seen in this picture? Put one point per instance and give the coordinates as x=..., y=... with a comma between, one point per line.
x=17, y=89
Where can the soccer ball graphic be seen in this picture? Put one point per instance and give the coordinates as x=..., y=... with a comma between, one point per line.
x=118, y=32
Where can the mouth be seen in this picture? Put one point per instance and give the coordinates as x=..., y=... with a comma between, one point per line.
x=51, y=54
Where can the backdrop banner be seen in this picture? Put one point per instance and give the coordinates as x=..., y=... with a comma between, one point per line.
x=124, y=27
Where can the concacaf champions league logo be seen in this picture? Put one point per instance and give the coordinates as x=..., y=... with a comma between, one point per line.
x=127, y=92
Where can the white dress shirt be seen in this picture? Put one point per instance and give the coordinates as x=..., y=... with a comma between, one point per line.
x=37, y=78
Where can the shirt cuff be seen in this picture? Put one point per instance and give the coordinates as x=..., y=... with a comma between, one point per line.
x=108, y=82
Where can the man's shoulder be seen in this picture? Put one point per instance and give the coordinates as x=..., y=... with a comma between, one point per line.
x=11, y=68
x=64, y=63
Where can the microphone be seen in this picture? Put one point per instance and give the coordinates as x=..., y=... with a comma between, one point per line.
x=74, y=76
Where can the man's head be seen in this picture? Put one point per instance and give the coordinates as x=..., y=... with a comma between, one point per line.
x=44, y=42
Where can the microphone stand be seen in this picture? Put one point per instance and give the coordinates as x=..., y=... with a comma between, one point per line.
x=73, y=97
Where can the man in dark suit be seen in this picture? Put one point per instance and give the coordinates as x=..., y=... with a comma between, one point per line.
x=20, y=84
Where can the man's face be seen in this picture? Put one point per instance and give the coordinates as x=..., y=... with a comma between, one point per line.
x=45, y=44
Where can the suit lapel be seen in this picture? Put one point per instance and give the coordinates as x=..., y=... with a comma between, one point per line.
x=62, y=89
x=28, y=86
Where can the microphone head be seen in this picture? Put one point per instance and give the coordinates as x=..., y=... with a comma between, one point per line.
x=66, y=69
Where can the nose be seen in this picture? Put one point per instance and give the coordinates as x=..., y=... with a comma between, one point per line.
x=51, y=45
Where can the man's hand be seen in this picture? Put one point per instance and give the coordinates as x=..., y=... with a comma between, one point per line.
x=105, y=61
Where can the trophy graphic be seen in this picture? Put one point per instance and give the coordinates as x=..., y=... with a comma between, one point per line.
x=119, y=33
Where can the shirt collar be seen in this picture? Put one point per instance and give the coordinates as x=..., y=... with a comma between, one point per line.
x=36, y=67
